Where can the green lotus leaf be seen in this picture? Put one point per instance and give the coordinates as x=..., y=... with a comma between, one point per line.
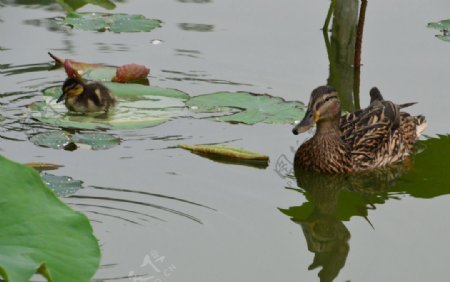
x=40, y=233
x=62, y=186
x=112, y=22
x=97, y=140
x=444, y=27
x=252, y=108
x=60, y=139
x=138, y=106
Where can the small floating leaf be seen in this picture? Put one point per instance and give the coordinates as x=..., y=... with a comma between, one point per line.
x=60, y=140
x=225, y=151
x=52, y=139
x=253, y=108
x=97, y=140
x=40, y=233
x=112, y=22
x=444, y=27
x=63, y=186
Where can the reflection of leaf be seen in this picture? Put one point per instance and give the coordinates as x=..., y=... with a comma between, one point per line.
x=254, y=108
x=224, y=151
x=63, y=186
x=139, y=106
x=112, y=22
x=429, y=175
x=40, y=233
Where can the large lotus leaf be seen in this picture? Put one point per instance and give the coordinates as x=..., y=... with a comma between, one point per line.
x=138, y=106
x=39, y=233
x=254, y=108
x=444, y=27
x=112, y=22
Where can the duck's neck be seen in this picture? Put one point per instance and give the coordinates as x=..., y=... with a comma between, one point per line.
x=328, y=127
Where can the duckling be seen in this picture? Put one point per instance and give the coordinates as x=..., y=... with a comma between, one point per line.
x=366, y=139
x=86, y=97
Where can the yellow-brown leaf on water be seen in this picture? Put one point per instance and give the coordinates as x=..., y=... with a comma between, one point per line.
x=225, y=151
x=40, y=166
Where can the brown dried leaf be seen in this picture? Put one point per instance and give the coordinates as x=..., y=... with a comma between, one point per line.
x=131, y=72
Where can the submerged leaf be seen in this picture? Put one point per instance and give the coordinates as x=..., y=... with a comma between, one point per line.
x=253, y=108
x=40, y=233
x=112, y=22
x=225, y=151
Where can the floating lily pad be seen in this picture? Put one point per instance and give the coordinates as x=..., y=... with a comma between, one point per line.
x=138, y=106
x=253, y=108
x=97, y=140
x=444, y=27
x=53, y=139
x=63, y=186
x=39, y=233
x=112, y=22
x=60, y=139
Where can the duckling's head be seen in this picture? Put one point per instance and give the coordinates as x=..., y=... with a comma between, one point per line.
x=323, y=106
x=72, y=87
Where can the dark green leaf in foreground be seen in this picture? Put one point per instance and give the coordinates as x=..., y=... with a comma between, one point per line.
x=138, y=106
x=40, y=233
x=444, y=27
x=252, y=108
x=72, y=5
x=111, y=22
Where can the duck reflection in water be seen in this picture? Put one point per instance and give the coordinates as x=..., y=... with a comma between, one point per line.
x=332, y=199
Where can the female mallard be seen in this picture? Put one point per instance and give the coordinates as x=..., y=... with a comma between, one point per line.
x=82, y=97
x=373, y=137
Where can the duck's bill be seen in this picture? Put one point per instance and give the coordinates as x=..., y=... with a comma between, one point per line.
x=306, y=123
x=62, y=97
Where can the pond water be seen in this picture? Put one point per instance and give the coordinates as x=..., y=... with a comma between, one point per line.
x=199, y=220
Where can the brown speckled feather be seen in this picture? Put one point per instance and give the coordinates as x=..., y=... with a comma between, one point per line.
x=366, y=139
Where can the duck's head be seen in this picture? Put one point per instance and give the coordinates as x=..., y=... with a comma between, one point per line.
x=72, y=87
x=323, y=105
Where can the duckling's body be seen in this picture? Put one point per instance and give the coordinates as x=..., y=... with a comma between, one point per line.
x=373, y=137
x=86, y=97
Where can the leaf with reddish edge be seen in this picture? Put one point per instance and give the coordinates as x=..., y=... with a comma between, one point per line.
x=131, y=72
x=125, y=73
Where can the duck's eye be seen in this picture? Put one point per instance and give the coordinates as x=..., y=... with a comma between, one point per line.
x=329, y=98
